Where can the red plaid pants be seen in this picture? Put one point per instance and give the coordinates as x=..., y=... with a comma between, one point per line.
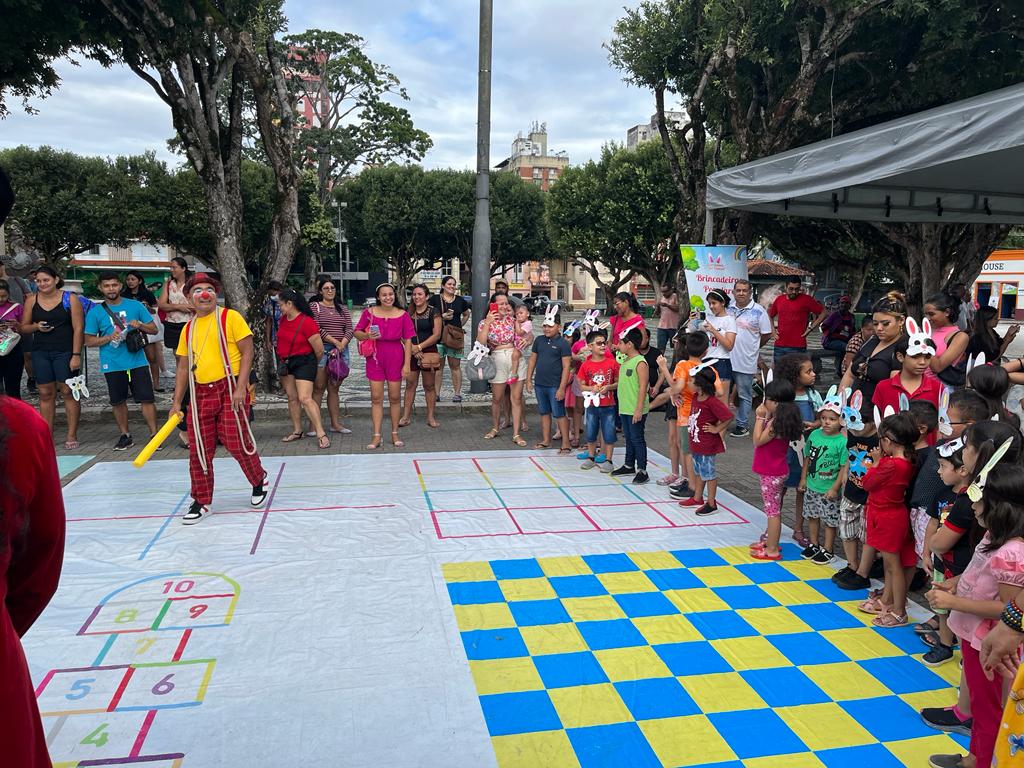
x=216, y=423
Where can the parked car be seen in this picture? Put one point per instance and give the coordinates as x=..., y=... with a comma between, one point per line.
x=371, y=301
x=539, y=304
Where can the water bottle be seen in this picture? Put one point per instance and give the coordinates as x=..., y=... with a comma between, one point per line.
x=938, y=576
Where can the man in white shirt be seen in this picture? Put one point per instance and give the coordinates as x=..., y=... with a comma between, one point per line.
x=753, y=329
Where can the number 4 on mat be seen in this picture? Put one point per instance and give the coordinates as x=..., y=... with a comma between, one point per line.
x=98, y=737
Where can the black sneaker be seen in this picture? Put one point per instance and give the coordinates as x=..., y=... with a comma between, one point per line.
x=939, y=654
x=259, y=493
x=852, y=582
x=640, y=478
x=623, y=471
x=124, y=443
x=706, y=509
x=809, y=552
x=195, y=513
x=842, y=573
x=681, y=491
x=823, y=557
x=739, y=432
x=945, y=720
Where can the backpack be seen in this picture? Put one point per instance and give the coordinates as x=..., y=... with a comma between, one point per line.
x=87, y=303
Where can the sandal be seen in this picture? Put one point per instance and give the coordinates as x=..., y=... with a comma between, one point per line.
x=889, y=620
x=404, y=422
x=929, y=627
x=519, y=441
x=323, y=442
x=292, y=437
x=801, y=538
x=760, y=554
x=541, y=446
x=564, y=451
x=70, y=445
x=433, y=424
x=932, y=640
x=491, y=434
x=395, y=441
x=375, y=443
x=875, y=606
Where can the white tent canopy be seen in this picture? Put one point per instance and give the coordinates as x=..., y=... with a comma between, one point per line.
x=961, y=163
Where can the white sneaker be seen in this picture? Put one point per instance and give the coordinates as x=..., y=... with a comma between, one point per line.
x=259, y=493
x=195, y=513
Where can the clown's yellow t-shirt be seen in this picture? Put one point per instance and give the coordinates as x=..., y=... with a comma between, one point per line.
x=203, y=335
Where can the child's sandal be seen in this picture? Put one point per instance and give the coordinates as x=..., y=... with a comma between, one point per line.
x=875, y=606
x=890, y=620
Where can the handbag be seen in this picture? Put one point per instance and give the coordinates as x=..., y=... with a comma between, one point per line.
x=135, y=340
x=368, y=347
x=8, y=338
x=284, y=366
x=337, y=368
x=429, y=361
x=452, y=334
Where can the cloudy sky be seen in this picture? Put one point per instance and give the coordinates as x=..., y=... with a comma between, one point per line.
x=549, y=66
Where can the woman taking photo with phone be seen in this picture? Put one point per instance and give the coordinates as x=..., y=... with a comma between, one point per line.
x=57, y=347
x=174, y=304
x=384, y=334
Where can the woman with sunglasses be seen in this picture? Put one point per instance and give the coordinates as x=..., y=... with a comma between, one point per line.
x=335, y=323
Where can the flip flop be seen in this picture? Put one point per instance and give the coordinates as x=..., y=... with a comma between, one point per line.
x=541, y=446
x=519, y=441
x=760, y=554
x=70, y=445
x=491, y=434
x=564, y=451
x=927, y=627
x=291, y=438
x=323, y=442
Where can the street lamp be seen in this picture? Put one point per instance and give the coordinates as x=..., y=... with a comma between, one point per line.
x=341, y=259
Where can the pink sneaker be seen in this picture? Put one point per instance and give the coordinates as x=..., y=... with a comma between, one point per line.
x=668, y=480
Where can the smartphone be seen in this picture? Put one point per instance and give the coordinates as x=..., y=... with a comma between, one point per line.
x=375, y=330
x=44, y=325
x=494, y=308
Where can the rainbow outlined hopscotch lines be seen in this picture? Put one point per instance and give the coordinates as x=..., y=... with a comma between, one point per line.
x=143, y=615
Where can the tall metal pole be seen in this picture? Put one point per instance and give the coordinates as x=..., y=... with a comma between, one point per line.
x=482, y=221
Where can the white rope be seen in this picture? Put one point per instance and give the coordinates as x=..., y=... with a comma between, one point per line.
x=222, y=345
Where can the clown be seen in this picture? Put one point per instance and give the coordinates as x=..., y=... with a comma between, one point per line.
x=215, y=354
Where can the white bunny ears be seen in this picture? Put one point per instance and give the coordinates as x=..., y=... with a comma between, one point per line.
x=880, y=415
x=945, y=427
x=478, y=353
x=590, y=320
x=707, y=362
x=551, y=315
x=975, y=361
x=767, y=378
x=835, y=401
x=920, y=341
x=77, y=386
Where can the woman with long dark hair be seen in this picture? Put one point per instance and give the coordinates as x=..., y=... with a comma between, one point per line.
x=31, y=553
x=335, y=323
x=425, y=357
x=943, y=311
x=299, y=349
x=57, y=349
x=135, y=288
x=876, y=360
x=985, y=339
x=174, y=303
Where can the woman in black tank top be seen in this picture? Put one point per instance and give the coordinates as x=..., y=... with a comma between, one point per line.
x=427, y=323
x=57, y=347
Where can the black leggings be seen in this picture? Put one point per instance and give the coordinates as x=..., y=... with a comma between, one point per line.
x=11, y=366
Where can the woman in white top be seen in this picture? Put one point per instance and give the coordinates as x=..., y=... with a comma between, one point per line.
x=174, y=304
x=720, y=327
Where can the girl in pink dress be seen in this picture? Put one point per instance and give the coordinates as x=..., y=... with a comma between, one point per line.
x=390, y=329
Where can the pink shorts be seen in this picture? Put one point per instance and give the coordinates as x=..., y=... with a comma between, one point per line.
x=386, y=364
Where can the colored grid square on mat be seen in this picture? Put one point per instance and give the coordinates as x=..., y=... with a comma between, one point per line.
x=674, y=578
x=505, y=675
x=494, y=644
x=516, y=569
x=666, y=629
x=646, y=604
x=529, y=613
x=507, y=713
x=593, y=608
x=696, y=658
x=773, y=621
x=874, y=755
x=826, y=616
x=475, y=592
x=572, y=565
x=807, y=648
x=454, y=572
x=547, y=749
x=784, y=687
x=607, y=746
x=720, y=576
x=793, y=593
x=696, y=600
x=756, y=733
x=845, y=681
x=688, y=741
x=766, y=573
x=553, y=638
x=888, y=718
x=745, y=597
x=634, y=663
x=696, y=558
x=527, y=589
x=656, y=698
x=743, y=653
x=861, y=643
x=610, y=563
x=586, y=705
x=624, y=583
x=914, y=752
x=617, y=633
x=902, y=674
x=806, y=760
x=653, y=561
x=718, y=625
x=564, y=670
x=583, y=585
x=824, y=726
x=483, y=616
x=723, y=692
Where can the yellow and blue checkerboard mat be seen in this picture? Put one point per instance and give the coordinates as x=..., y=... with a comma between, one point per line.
x=690, y=658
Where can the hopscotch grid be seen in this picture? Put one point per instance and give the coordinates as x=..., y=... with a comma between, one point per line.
x=140, y=739
x=266, y=512
x=163, y=527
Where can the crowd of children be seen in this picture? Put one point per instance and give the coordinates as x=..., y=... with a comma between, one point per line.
x=916, y=473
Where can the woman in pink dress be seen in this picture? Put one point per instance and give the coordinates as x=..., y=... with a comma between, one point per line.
x=942, y=311
x=390, y=330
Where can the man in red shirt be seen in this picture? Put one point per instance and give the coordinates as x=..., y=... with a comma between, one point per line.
x=790, y=314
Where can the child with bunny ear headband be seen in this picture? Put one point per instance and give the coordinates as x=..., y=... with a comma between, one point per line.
x=914, y=380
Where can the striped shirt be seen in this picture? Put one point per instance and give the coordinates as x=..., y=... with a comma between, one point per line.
x=333, y=323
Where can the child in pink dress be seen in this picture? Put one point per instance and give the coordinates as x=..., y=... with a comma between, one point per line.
x=522, y=341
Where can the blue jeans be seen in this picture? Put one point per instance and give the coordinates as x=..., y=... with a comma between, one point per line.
x=600, y=418
x=547, y=405
x=783, y=351
x=745, y=394
x=665, y=336
x=636, y=442
x=839, y=347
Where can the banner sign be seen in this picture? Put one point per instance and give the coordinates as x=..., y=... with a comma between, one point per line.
x=712, y=266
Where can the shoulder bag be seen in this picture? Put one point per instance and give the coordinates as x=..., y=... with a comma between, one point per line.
x=134, y=340
x=429, y=361
x=368, y=347
x=452, y=334
x=8, y=338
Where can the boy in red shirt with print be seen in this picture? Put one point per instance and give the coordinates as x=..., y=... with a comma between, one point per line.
x=599, y=376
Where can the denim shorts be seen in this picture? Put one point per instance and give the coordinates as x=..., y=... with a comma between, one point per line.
x=547, y=405
x=724, y=367
x=705, y=466
x=49, y=366
x=600, y=418
x=322, y=363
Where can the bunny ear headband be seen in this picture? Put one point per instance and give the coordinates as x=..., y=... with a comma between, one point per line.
x=767, y=378
x=590, y=320
x=571, y=328
x=977, y=488
x=950, y=447
x=551, y=315
x=707, y=362
x=851, y=411
x=834, y=401
x=920, y=341
x=975, y=362
x=945, y=427
x=889, y=411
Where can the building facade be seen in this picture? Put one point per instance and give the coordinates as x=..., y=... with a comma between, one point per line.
x=1000, y=284
x=638, y=134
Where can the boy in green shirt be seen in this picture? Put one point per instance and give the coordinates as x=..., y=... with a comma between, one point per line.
x=634, y=404
x=825, y=455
